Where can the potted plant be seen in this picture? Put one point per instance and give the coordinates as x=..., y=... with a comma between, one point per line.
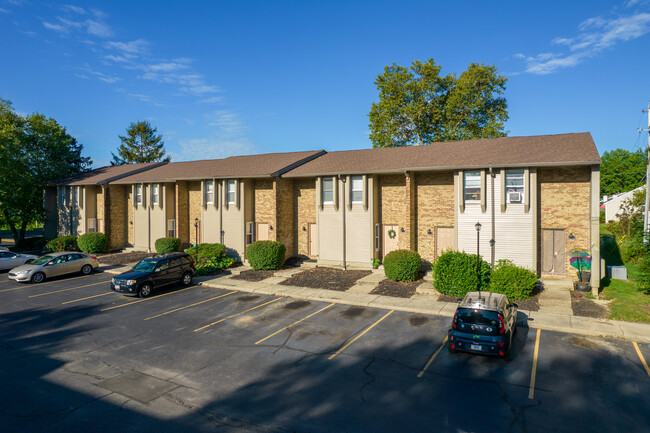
x=581, y=260
x=376, y=263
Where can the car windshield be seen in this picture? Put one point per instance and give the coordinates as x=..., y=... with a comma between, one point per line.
x=41, y=260
x=146, y=265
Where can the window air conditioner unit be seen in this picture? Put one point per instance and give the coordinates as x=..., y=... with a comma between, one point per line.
x=514, y=197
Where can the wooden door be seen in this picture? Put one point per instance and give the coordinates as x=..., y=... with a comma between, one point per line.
x=553, y=254
x=390, y=238
x=262, y=232
x=444, y=240
x=313, y=240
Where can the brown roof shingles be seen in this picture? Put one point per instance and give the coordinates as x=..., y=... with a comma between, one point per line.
x=562, y=149
x=106, y=174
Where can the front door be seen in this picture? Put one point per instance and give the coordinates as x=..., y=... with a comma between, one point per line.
x=553, y=244
x=391, y=238
x=313, y=240
x=444, y=240
x=262, y=232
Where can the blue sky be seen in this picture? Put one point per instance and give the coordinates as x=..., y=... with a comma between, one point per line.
x=226, y=78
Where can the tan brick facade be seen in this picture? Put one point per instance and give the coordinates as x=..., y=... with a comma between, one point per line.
x=101, y=208
x=182, y=211
x=265, y=204
x=285, y=216
x=394, y=206
x=116, y=204
x=434, y=208
x=195, y=203
x=564, y=203
x=129, y=216
x=304, y=204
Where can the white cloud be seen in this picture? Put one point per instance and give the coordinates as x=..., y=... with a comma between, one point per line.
x=212, y=100
x=98, y=29
x=131, y=48
x=73, y=8
x=4, y=11
x=56, y=27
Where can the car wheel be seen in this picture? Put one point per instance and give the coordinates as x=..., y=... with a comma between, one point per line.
x=86, y=269
x=186, y=279
x=38, y=277
x=145, y=290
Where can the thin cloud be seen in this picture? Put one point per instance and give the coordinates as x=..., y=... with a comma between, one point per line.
x=75, y=9
x=91, y=27
x=129, y=49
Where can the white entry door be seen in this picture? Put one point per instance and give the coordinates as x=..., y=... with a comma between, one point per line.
x=262, y=232
x=313, y=240
x=391, y=238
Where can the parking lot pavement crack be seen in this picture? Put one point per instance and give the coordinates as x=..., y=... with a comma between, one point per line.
x=65, y=412
x=518, y=423
x=370, y=381
x=219, y=421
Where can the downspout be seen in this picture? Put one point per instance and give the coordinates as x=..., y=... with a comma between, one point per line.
x=492, y=241
x=342, y=179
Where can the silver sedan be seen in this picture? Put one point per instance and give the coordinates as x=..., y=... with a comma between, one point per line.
x=9, y=259
x=52, y=265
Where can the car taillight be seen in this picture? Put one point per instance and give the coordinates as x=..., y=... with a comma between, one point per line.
x=502, y=326
x=453, y=323
x=94, y=258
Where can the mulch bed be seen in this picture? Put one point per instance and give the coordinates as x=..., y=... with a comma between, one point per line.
x=123, y=258
x=530, y=304
x=587, y=307
x=398, y=289
x=326, y=278
x=253, y=275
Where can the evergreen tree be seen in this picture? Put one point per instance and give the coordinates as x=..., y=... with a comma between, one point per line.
x=141, y=144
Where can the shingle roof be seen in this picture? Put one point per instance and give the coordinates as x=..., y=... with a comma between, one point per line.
x=266, y=165
x=106, y=174
x=562, y=149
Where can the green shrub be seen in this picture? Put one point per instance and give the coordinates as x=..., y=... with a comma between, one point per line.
x=265, y=254
x=207, y=266
x=643, y=281
x=93, y=243
x=167, y=245
x=455, y=273
x=208, y=251
x=402, y=265
x=62, y=243
x=511, y=280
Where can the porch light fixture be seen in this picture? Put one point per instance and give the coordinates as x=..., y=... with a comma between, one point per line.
x=402, y=230
x=478, y=259
x=304, y=229
x=429, y=232
x=270, y=227
x=196, y=232
x=572, y=237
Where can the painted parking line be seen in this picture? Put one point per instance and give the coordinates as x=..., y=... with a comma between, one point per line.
x=147, y=299
x=359, y=336
x=191, y=305
x=430, y=361
x=235, y=315
x=65, y=290
x=87, y=297
x=294, y=323
x=643, y=361
x=531, y=392
x=33, y=286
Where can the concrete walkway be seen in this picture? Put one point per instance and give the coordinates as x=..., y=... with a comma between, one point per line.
x=555, y=312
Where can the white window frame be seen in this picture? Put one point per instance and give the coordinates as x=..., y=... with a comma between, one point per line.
x=475, y=178
x=231, y=192
x=324, y=191
x=155, y=194
x=359, y=189
x=209, y=192
x=515, y=175
x=138, y=195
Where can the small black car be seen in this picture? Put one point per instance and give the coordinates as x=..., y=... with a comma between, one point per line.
x=149, y=274
x=484, y=323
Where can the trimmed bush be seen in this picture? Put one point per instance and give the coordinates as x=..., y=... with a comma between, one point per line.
x=265, y=254
x=208, y=251
x=93, y=243
x=402, y=265
x=62, y=243
x=209, y=266
x=511, y=280
x=455, y=273
x=167, y=245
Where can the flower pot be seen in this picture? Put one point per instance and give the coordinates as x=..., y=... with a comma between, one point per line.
x=582, y=287
x=585, y=276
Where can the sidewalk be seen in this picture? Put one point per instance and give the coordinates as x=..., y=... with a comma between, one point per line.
x=555, y=313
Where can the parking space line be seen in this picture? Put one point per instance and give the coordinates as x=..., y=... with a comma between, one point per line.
x=43, y=284
x=234, y=315
x=294, y=323
x=191, y=305
x=359, y=336
x=88, y=297
x=426, y=366
x=531, y=392
x=147, y=299
x=65, y=290
x=643, y=361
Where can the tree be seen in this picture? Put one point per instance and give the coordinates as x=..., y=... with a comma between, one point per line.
x=141, y=144
x=34, y=150
x=621, y=170
x=419, y=106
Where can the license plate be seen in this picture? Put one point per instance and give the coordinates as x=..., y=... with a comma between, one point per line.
x=476, y=347
x=117, y=287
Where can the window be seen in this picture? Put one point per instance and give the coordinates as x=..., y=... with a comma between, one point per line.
x=328, y=190
x=138, y=194
x=356, y=184
x=154, y=194
x=250, y=232
x=514, y=186
x=231, y=192
x=472, y=184
x=209, y=192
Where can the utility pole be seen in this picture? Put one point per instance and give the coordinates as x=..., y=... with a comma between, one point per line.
x=647, y=186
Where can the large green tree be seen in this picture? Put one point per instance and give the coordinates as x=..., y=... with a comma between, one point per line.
x=419, y=106
x=34, y=150
x=141, y=144
x=622, y=170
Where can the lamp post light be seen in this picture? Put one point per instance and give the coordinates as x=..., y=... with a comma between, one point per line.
x=196, y=231
x=478, y=259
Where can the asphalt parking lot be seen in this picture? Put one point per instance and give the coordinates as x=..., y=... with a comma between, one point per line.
x=76, y=356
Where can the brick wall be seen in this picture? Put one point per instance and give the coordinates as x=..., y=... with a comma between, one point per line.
x=117, y=201
x=101, y=208
x=182, y=211
x=129, y=215
x=564, y=203
x=265, y=204
x=304, y=205
x=284, y=218
x=434, y=208
x=195, y=200
x=394, y=206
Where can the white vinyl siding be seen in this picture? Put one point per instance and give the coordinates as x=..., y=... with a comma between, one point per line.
x=472, y=186
x=232, y=191
x=209, y=192
x=356, y=192
x=328, y=190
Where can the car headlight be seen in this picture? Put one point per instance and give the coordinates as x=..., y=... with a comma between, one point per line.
x=113, y=280
x=131, y=282
x=23, y=272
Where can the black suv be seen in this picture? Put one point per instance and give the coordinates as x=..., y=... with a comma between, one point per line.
x=484, y=323
x=149, y=274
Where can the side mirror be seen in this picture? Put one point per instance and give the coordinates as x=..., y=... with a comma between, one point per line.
x=515, y=305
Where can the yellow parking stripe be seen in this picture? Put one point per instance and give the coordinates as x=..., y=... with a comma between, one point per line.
x=426, y=366
x=65, y=290
x=87, y=297
x=360, y=335
x=147, y=299
x=234, y=315
x=192, y=305
x=531, y=392
x=294, y=323
x=33, y=286
x=645, y=364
